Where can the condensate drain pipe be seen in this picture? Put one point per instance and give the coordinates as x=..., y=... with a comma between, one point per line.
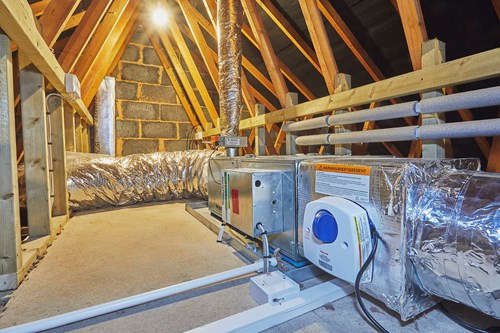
x=105, y=308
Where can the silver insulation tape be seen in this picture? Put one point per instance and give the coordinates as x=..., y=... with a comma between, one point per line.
x=395, y=281
x=106, y=181
x=104, y=120
x=466, y=100
x=229, y=21
x=456, y=242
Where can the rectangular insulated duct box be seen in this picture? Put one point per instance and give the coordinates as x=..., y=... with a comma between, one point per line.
x=252, y=196
x=383, y=186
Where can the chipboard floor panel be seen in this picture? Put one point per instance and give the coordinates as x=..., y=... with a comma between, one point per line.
x=110, y=254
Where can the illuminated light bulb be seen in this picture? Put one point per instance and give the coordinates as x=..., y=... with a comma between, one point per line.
x=160, y=16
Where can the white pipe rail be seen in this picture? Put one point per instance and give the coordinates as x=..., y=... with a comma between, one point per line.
x=105, y=308
x=467, y=129
x=466, y=100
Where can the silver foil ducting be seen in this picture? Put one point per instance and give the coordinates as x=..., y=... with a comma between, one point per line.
x=456, y=242
x=105, y=181
x=229, y=20
x=395, y=280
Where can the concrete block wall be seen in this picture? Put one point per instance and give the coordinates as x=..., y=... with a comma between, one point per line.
x=149, y=116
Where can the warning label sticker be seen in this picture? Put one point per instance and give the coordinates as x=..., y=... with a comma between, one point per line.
x=347, y=181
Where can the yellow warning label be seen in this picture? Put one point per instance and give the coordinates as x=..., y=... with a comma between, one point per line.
x=340, y=168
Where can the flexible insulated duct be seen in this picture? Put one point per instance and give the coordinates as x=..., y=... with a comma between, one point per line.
x=106, y=181
x=229, y=20
x=455, y=246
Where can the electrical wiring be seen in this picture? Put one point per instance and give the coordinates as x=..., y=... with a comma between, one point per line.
x=210, y=166
x=466, y=325
x=375, y=239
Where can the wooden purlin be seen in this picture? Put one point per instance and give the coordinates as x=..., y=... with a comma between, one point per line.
x=480, y=66
x=55, y=17
x=321, y=43
x=17, y=21
x=100, y=36
x=188, y=59
x=293, y=35
x=83, y=33
x=181, y=74
x=97, y=71
x=155, y=41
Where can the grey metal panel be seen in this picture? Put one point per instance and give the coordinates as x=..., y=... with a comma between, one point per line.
x=255, y=196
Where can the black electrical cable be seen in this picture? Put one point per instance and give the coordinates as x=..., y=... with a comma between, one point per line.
x=466, y=325
x=375, y=238
x=210, y=166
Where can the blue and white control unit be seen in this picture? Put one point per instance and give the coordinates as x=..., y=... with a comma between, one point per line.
x=336, y=237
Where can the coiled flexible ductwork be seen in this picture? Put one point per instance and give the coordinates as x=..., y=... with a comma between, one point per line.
x=106, y=181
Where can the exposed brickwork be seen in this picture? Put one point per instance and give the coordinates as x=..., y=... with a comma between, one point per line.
x=149, y=115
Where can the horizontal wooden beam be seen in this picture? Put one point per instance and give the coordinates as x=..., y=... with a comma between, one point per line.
x=16, y=19
x=472, y=68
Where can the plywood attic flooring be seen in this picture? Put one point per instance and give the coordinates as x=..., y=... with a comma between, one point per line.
x=110, y=254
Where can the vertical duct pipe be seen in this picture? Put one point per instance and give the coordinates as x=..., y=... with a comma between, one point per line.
x=104, y=120
x=229, y=21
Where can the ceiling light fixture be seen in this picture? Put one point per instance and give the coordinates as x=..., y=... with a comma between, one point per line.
x=160, y=16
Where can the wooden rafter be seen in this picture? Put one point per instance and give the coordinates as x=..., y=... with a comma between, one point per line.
x=188, y=59
x=266, y=50
x=247, y=64
x=74, y=20
x=21, y=28
x=122, y=48
x=82, y=34
x=496, y=6
x=102, y=33
x=39, y=7
x=188, y=11
x=320, y=41
x=350, y=40
x=181, y=74
x=293, y=35
x=414, y=29
x=98, y=69
x=211, y=11
x=155, y=41
x=248, y=96
x=55, y=17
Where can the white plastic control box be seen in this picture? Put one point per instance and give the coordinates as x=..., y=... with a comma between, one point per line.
x=337, y=238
